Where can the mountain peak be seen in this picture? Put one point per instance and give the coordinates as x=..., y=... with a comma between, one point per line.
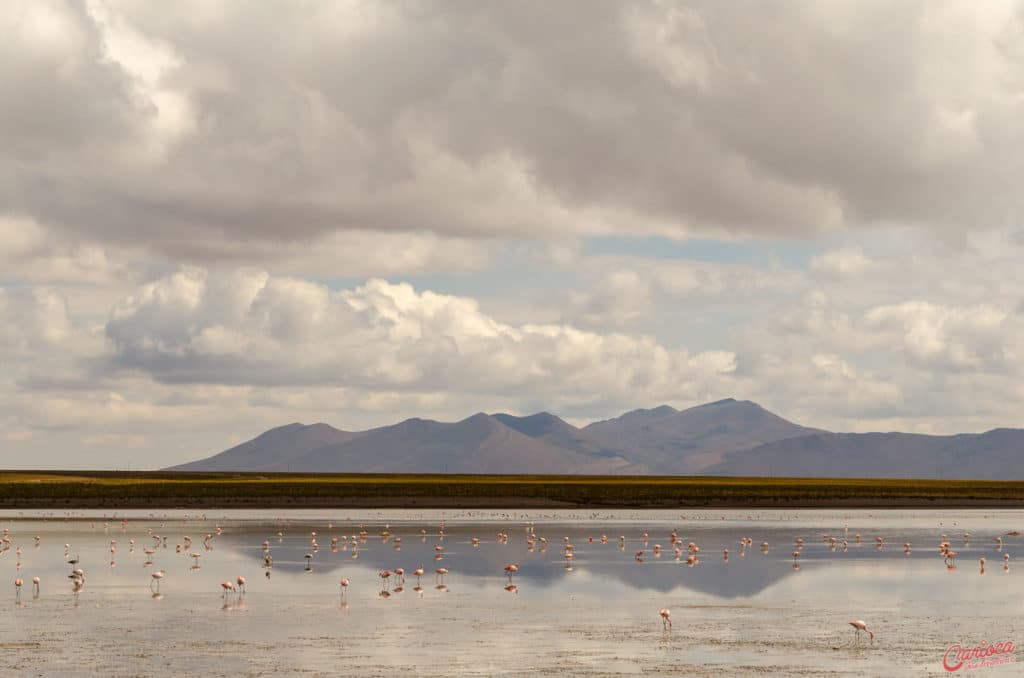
x=660, y=410
x=533, y=425
x=478, y=418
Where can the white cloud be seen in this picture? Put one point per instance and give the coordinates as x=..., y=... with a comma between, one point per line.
x=33, y=253
x=979, y=338
x=249, y=328
x=839, y=263
x=33, y=319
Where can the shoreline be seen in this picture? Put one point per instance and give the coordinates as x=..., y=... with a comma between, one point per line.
x=491, y=503
x=57, y=490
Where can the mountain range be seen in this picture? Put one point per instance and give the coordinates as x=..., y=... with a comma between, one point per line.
x=723, y=438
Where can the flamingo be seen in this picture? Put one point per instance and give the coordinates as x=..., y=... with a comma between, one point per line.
x=666, y=618
x=510, y=570
x=859, y=626
x=344, y=586
x=17, y=588
x=35, y=587
x=440, y=572
x=418, y=572
x=155, y=579
x=226, y=586
x=241, y=584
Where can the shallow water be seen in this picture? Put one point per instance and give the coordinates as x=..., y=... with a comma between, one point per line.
x=753, y=614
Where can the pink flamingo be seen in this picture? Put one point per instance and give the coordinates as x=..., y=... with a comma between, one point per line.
x=344, y=586
x=17, y=588
x=226, y=586
x=418, y=572
x=666, y=618
x=35, y=587
x=859, y=626
x=510, y=570
x=241, y=584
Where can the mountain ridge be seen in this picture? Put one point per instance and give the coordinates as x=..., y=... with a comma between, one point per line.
x=726, y=437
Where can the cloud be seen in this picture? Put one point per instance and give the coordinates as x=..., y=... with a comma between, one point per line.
x=31, y=318
x=30, y=252
x=839, y=263
x=250, y=328
x=154, y=126
x=627, y=291
x=980, y=338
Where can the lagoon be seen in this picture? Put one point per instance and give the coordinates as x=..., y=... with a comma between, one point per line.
x=595, y=614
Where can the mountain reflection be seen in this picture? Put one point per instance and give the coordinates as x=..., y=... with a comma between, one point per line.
x=747, y=571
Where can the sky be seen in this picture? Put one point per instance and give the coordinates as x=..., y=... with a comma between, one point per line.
x=220, y=217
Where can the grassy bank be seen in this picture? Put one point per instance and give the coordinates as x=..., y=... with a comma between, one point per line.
x=113, y=489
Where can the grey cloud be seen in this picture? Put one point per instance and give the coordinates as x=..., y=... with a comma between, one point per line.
x=282, y=123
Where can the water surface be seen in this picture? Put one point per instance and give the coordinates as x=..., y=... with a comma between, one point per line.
x=595, y=614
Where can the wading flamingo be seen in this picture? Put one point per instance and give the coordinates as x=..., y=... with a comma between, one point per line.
x=859, y=626
x=510, y=570
x=155, y=578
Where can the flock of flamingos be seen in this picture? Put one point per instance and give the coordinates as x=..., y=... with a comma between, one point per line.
x=688, y=553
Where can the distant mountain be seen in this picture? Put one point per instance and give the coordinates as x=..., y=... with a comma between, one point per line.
x=995, y=455
x=727, y=437
x=480, y=444
x=271, y=449
x=688, y=441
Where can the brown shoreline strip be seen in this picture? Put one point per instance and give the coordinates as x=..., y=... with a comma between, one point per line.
x=168, y=490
